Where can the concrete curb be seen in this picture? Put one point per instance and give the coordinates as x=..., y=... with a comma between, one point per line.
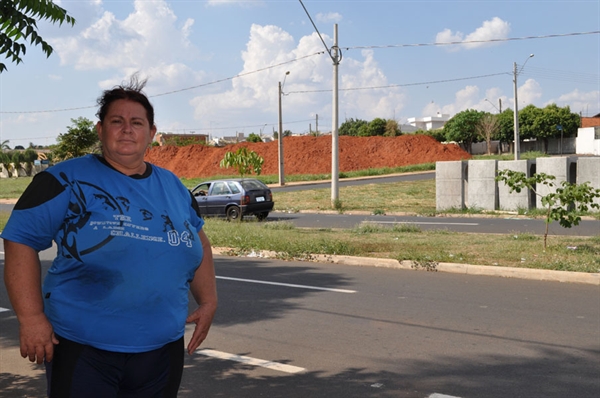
x=468, y=269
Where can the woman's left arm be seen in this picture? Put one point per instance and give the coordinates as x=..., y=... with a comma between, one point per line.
x=204, y=290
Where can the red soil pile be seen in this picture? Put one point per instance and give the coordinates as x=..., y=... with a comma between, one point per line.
x=309, y=155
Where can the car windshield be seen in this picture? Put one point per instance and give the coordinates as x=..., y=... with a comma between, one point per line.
x=250, y=185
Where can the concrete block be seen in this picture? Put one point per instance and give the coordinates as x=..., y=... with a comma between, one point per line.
x=563, y=168
x=514, y=201
x=450, y=180
x=482, y=190
x=588, y=170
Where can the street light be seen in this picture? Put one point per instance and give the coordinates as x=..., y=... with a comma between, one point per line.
x=280, y=136
x=499, y=104
x=516, y=119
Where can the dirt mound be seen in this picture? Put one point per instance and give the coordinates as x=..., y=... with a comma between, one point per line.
x=309, y=155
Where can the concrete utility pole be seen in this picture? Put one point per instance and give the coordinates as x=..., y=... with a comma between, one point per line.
x=280, y=137
x=335, y=56
x=516, y=113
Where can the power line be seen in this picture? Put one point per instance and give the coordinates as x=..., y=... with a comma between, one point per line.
x=402, y=85
x=322, y=52
x=449, y=43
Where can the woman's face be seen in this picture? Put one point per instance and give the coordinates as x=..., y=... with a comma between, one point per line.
x=125, y=132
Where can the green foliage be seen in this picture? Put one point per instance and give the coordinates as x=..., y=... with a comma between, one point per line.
x=255, y=138
x=463, y=127
x=244, y=161
x=351, y=127
x=392, y=128
x=30, y=155
x=437, y=134
x=18, y=25
x=377, y=127
x=506, y=126
x=17, y=158
x=563, y=204
x=4, y=145
x=80, y=139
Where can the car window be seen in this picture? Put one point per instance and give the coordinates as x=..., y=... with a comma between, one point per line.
x=249, y=185
x=220, y=188
x=201, y=189
x=234, y=187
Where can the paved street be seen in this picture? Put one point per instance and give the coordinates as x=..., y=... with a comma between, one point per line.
x=293, y=329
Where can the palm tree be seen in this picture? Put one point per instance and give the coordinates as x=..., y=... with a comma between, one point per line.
x=4, y=145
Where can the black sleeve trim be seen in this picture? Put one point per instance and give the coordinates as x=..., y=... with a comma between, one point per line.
x=43, y=187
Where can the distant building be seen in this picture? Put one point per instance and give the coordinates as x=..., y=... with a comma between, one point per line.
x=429, y=122
x=593, y=121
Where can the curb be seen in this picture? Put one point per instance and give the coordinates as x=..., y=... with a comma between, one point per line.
x=468, y=269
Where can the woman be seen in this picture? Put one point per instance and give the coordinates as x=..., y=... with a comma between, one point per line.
x=110, y=318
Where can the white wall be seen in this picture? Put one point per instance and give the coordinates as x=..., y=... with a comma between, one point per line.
x=588, y=141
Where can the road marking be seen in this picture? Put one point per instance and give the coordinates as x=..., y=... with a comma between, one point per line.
x=287, y=285
x=422, y=223
x=436, y=395
x=4, y=309
x=251, y=361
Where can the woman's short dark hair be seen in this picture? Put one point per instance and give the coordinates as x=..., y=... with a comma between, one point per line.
x=131, y=91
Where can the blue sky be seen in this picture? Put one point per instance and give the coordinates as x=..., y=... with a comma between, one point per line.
x=213, y=67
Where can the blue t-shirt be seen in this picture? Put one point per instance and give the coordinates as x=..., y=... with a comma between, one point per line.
x=127, y=250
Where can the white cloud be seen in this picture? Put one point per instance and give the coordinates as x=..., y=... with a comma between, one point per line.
x=467, y=98
x=329, y=17
x=238, y=2
x=308, y=85
x=493, y=29
x=148, y=40
x=528, y=93
x=579, y=102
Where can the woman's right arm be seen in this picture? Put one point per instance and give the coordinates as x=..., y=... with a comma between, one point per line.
x=22, y=276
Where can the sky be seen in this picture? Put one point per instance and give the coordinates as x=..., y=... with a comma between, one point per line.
x=214, y=67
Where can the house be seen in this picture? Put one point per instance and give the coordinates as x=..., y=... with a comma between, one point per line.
x=429, y=122
x=593, y=121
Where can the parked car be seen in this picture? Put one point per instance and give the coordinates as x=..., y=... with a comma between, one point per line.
x=234, y=198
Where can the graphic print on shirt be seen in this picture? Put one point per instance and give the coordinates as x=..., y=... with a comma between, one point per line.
x=113, y=217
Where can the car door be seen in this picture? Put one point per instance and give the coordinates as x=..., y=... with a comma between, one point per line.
x=201, y=195
x=218, y=198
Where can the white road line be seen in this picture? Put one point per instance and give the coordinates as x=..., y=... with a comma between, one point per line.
x=421, y=223
x=287, y=284
x=436, y=395
x=251, y=361
x=4, y=309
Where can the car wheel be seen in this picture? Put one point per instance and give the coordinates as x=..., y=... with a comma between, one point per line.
x=262, y=216
x=234, y=214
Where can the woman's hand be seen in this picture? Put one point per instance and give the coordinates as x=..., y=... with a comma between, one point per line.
x=37, y=338
x=202, y=317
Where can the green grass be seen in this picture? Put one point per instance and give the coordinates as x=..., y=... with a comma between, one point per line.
x=408, y=242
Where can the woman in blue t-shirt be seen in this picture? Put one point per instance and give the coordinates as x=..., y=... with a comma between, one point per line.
x=110, y=317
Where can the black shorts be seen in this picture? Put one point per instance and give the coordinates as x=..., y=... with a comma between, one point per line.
x=81, y=371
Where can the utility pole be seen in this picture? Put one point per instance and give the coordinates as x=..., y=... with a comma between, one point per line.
x=516, y=119
x=317, y=127
x=335, y=56
x=499, y=105
x=280, y=137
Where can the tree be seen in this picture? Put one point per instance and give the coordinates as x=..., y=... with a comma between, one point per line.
x=562, y=205
x=254, y=138
x=351, y=127
x=80, y=139
x=4, y=145
x=544, y=123
x=244, y=161
x=487, y=128
x=506, y=126
x=392, y=128
x=377, y=127
x=18, y=25
x=463, y=127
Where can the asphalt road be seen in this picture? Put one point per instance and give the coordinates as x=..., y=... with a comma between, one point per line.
x=292, y=329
